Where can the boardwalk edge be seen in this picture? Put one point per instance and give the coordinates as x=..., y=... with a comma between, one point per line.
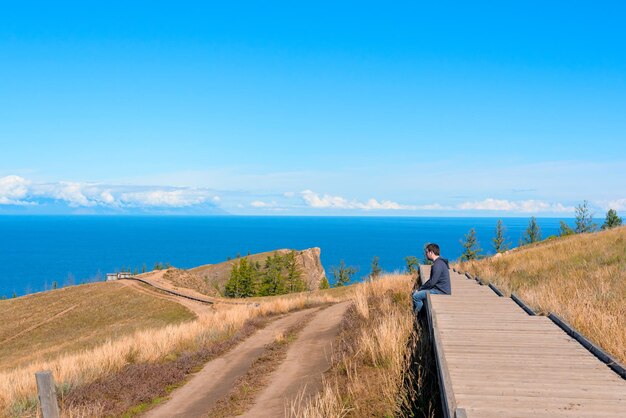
x=591, y=347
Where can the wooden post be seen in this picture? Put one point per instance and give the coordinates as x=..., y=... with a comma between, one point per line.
x=47, y=394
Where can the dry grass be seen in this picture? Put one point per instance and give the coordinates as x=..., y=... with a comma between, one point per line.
x=581, y=278
x=368, y=377
x=17, y=386
x=43, y=326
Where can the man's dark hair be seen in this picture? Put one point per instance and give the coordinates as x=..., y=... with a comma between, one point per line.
x=434, y=248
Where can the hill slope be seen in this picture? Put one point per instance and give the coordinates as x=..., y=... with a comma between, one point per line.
x=581, y=278
x=44, y=325
x=216, y=275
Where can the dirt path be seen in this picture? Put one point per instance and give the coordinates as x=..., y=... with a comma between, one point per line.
x=215, y=380
x=302, y=370
x=198, y=308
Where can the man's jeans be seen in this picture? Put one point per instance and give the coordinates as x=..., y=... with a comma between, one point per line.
x=419, y=297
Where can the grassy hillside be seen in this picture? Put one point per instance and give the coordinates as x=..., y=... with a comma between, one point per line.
x=44, y=325
x=150, y=336
x=581, y=278
x=216, y=275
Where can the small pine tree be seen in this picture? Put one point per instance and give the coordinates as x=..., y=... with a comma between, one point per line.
x=243, y=280
x=144, y=268
x=611, y=220
x=500, y=243
x=584, y=219
x=293, y=281
x=411, y=264
x=324, y=283
x=342, y=274
x=565, y=230
x=376, y=270
x=272, y=280
x=532, y=233
x=471, y=247
x=248, y=274
x=55, y=285
x=231, y=288
x=14, y=295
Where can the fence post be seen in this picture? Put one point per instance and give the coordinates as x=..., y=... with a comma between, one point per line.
x=47, y=394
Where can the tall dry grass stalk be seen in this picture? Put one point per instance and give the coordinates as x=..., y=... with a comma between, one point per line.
x=369, y=366
x=18, y=390
x=581, y=278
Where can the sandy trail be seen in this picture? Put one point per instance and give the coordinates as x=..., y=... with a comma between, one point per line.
x=301, y=371
x=216, y=379
x=307, y=359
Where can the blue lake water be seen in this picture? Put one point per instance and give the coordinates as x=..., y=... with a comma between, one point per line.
x=36, y=251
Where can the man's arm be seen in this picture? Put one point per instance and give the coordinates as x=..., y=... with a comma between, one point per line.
x=436, y=275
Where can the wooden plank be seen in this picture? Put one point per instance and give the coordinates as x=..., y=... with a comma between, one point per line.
x=500, y=412
x=47, y=394
x=558, y=391
x=445, y=384
x=581, y=405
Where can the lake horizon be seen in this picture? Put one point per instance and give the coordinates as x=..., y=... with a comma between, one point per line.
x=37, y=250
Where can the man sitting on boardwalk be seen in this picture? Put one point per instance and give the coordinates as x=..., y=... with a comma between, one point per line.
x=439, y=282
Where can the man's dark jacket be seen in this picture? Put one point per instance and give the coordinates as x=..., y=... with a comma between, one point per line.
x=439, y=277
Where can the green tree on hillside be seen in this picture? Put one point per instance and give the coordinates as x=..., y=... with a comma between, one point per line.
x=342, y=274
x=611, y=220
x=471, y=247
x=272, y=280
x=324, y=283
x=584, y=219
x=411, y=264
x=376, y=270
x=500, y=243
x=565, y=230
x=293, y=279
x=242, y=281
x=532, y=233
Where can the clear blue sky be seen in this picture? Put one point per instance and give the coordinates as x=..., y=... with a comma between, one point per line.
x=490, y=108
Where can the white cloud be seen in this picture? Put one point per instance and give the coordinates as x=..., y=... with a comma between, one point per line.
x=261, y=204
x=619, y=204
x=72, y=193
x=315, y=200
x=527, y=206
x=13, y=189
x=433, y=206
x=165, y=198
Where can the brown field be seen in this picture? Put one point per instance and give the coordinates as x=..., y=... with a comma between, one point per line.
x=45, y=325
x=581, y=278
x=145, y=344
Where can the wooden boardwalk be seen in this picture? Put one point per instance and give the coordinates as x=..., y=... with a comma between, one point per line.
x=495, y=360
